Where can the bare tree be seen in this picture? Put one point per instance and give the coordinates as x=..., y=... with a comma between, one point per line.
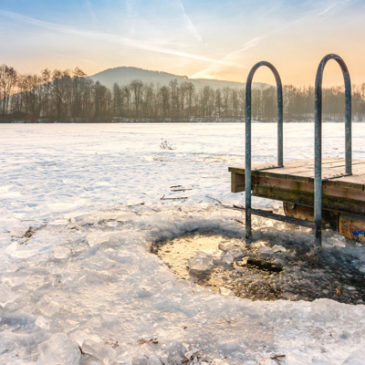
x=117, y=100
x=164, y=95
x=218, y=102
x=8, y=79
x=136, y=87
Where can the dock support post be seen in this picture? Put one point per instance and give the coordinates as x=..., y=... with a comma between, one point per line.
x=248, y=149
x=318, y=139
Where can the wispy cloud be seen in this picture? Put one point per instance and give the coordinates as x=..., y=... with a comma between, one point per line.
x=130, y=15
x=333, y=5
x=188, y=22
x=90, y=9
x=231, y=57
x=235, y=56
x=109, y=37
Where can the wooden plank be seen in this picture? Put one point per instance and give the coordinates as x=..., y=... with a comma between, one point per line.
x=237, y=182
x=339, y=194
x=296, y=164
x=353, y=181
x=327, y=163
x=330, y=188
x=303, y=170
x=304, y=198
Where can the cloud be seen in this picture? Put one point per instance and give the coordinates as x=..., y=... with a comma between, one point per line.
x=322, y=12
x=235, y=57
x=89, y=8
x=109, y=37
x=231, y=57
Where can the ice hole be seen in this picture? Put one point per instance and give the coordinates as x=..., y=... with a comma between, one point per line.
x=264, y=270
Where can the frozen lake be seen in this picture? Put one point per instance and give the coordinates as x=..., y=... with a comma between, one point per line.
x=84, y=277
x=51, y=169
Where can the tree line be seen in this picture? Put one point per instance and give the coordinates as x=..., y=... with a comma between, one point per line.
x=70, y=96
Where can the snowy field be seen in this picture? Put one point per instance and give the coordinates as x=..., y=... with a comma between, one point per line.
x=79, y=207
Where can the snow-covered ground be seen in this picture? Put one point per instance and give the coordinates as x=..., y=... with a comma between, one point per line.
x=83, y=276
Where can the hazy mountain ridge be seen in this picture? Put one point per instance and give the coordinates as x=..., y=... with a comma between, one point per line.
x=124, y=75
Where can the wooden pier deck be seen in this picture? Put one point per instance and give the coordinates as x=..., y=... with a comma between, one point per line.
x=343, y=199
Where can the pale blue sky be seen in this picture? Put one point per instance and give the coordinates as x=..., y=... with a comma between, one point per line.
x=215, y=39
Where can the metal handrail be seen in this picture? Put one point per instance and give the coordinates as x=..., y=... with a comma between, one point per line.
x=279, y=90
x=318, y=138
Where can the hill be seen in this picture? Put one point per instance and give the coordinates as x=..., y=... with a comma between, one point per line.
x=124, y=75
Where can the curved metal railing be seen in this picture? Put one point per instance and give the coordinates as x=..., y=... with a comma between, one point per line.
x=279, y=90
x=318, y=138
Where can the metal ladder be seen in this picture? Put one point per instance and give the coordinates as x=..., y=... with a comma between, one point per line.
x=317, y=224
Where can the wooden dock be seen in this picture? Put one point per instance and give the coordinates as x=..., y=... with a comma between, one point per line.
x=343, y=197
x=315, y=192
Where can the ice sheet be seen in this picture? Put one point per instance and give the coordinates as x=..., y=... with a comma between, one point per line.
x=83, y=275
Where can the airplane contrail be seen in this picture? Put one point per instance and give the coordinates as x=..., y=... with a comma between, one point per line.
x=189, y=24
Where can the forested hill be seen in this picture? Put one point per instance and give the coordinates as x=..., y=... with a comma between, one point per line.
x=125, y=75
x=147, y=96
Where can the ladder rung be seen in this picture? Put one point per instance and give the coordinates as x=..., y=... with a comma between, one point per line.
x=282, y=218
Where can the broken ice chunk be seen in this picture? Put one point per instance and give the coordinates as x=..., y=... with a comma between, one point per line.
x=140, y=360
x=154, y=360
x=219, y=362
x=265, y=251
x=225, y=291
x=200, y=264
x=61, y=252
x=99, y=350
x=42, y=322
x=278, y=248
x=59, y=349
x=228, y=246
x=6, y=295
x=47, y=306
x=176, y=353
x=232, y=255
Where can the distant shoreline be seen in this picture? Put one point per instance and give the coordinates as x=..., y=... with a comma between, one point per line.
x=141, y=121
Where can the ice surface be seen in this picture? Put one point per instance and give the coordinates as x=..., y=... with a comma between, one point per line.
x=83, y=288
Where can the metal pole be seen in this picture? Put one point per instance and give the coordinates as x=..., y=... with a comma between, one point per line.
x=248, y=173
x=318, y=161
x=279, y=91
x=248, y=159
x=348, y=118
x=318, y=138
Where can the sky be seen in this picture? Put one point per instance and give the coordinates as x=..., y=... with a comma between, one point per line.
x=217, y=39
